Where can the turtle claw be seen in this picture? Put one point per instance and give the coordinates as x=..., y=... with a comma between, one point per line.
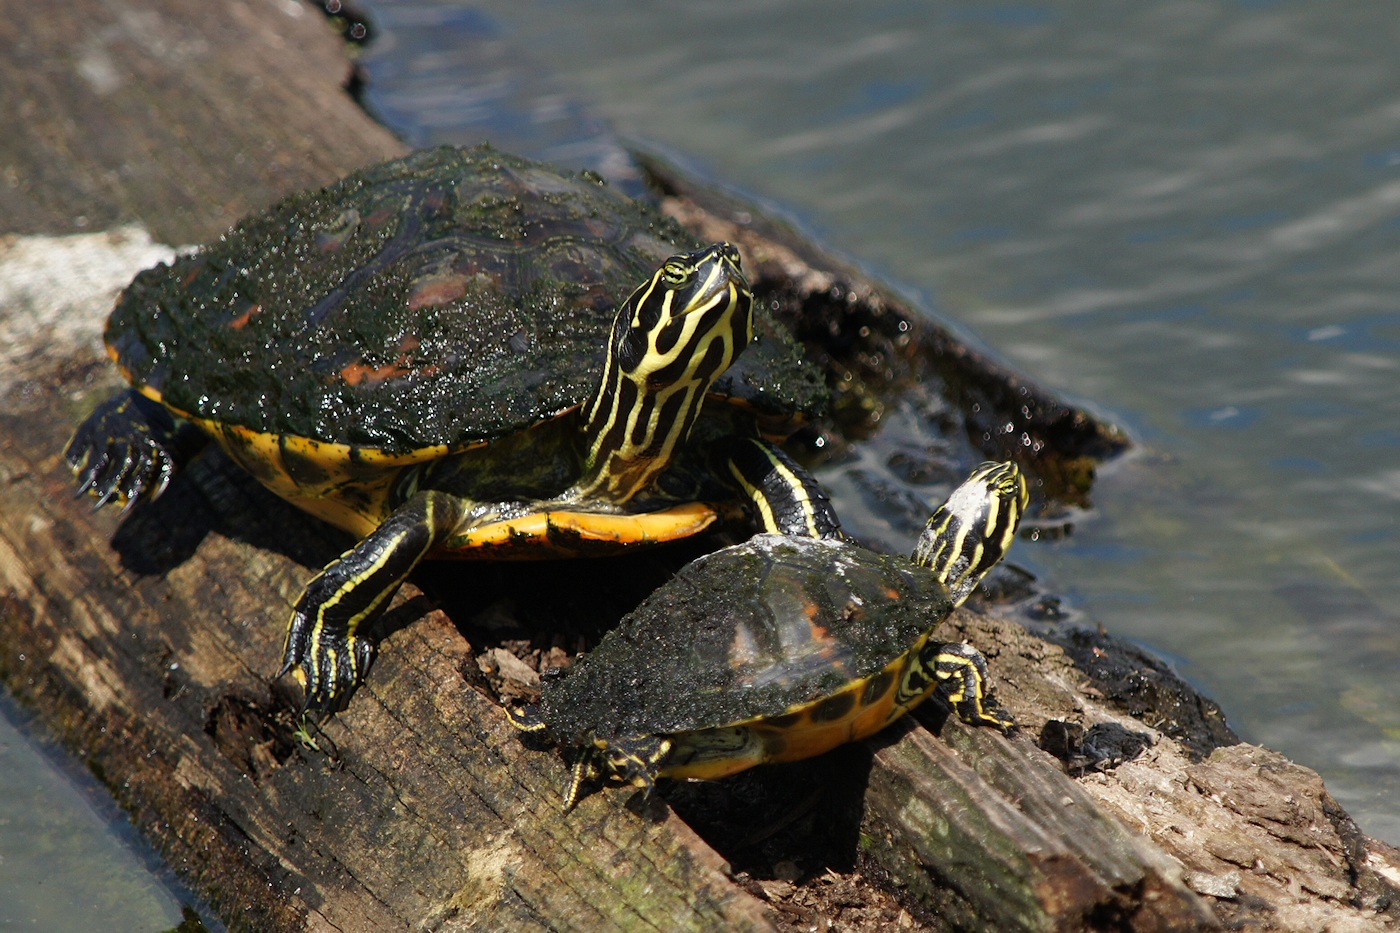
x=128, y=449
x=322, y=650
x=987, y=712
x=329, y=672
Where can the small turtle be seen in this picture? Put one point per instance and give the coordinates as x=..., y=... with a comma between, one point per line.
x=458, y=353
x=782, y=648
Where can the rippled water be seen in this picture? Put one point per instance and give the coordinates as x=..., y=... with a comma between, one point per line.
x=1184, y=214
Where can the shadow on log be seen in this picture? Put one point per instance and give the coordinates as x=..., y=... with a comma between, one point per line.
x=147, y=644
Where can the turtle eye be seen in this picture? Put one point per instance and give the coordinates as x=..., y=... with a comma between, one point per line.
x=675, y=274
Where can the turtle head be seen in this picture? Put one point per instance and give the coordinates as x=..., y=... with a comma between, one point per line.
x=970, y=532
x=670, y=340
x=688, y=322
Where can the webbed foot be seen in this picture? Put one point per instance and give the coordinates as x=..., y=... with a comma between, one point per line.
x=962, y=672
x=129, y=448
x=321, y=652
x=325, y=647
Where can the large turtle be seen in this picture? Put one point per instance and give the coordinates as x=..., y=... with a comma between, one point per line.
x=782, y=648
x=458, y=353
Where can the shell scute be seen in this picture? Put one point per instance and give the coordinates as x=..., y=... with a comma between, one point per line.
x=754, y=632
x=295, y=321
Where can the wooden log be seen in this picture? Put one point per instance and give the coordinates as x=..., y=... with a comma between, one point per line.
x=171, y=113
x=148, y=642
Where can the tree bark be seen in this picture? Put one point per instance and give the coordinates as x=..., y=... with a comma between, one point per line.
x=148, y=641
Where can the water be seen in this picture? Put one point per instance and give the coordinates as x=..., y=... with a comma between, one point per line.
x=68, y=859
x=1184, y=214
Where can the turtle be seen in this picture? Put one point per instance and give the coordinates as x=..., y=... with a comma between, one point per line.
x=458, y=353
x=781, y=648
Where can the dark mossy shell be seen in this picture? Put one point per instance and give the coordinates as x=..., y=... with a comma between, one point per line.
x=748, y=631
x=449, y=297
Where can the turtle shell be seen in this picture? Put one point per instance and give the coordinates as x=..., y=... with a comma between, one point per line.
x=748, y=632
x=436, y=301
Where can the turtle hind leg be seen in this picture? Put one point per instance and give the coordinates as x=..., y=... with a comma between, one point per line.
x=636, y=760
x=785, y=498
x=324, y=647
x=129, y=448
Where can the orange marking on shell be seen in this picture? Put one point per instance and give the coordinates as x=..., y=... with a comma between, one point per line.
x=821, y=635
x=829, y=648
x=437, y=290
x=357, y=373
x=242, y=320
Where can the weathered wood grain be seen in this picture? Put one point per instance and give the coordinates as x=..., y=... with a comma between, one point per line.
x=179, y=115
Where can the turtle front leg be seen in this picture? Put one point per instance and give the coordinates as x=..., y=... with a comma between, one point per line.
x=324, y=647
x=786, y=499
x=963, y=681
x=130, y=447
